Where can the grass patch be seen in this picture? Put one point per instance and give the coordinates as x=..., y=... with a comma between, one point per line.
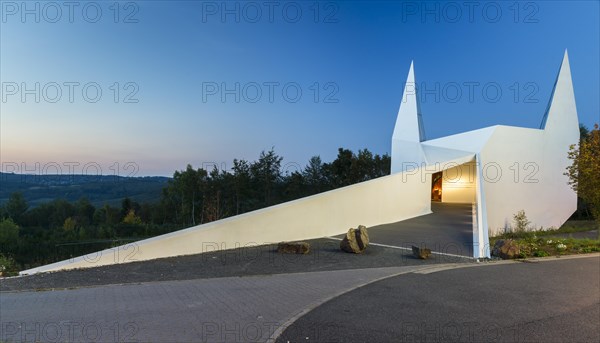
x=570, y=226
x=541, y=243
x=550, y=246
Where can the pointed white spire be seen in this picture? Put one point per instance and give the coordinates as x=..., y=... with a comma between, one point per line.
x=409, y=126
x=407, y=152
x=561, y=114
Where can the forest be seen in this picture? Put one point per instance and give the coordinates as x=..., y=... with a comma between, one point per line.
x=60, y=229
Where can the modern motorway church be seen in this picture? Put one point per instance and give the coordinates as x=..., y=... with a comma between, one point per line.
x=474, y=167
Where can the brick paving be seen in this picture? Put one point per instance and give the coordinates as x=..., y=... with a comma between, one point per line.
x=229, y=309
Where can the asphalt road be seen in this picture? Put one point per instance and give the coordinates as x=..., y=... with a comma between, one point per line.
x=557, y=300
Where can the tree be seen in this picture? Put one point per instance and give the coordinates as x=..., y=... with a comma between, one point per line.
x=85, y=211
x=364, y=166
x=183, y=194
x=315, y=175
x=60, y=211
x=213, y=204
x=341, y=168
x=39, y=216
x=150, y=213
x=132, y=219
x=9, y=234
x=241, y=182
x=266, y=173
x=584, y=172
x=383, y=165
x=294, y=186
x=348, y=168
x=107, y=215
x=584, y=132
x=16, y=207
x=70, y=224
x=520, y=222
x=8, y=266
x=127, y=205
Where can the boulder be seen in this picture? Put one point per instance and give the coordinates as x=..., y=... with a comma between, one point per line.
x=422, y=253
x=356, y=240
x=362, y=237
x=349, y=243
x=506, y=249
x=293, y=248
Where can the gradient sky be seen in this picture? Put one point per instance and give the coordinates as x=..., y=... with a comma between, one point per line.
x=359, y=51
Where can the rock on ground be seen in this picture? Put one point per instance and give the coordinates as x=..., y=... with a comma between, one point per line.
x=293, y=248
x=422, y=253
x=506, y=249
x=356, y=240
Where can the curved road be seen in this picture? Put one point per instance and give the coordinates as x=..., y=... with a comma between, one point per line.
x=554, y=300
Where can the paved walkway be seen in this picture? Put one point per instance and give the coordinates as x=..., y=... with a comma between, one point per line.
x=448, y=230
x=231, y=309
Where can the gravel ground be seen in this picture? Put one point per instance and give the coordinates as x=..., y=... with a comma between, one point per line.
x=264, y=260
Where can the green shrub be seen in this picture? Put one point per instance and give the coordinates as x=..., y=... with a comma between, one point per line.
x=8, y=267
x=520, y=222
x=9, y=234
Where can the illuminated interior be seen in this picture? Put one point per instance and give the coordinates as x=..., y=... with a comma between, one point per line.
x=436, y=187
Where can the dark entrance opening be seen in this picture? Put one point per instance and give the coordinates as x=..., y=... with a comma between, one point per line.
x=436, y=187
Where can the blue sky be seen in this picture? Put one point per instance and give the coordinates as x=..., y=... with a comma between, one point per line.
x=174, y=62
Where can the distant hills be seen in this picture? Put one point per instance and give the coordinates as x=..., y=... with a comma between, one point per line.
x=98, y=189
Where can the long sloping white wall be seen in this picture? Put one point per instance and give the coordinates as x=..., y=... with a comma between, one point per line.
x=384, y=200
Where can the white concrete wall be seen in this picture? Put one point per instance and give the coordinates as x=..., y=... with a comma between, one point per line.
x=523, y=170
x=458, y=184
x=533, y=163
x=383, y=200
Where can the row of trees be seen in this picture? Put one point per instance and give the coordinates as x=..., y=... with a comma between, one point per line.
x=60, y=229
x=584, y=172
x=196, y=196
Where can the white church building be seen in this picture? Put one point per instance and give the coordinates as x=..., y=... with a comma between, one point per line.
x=476, y=167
